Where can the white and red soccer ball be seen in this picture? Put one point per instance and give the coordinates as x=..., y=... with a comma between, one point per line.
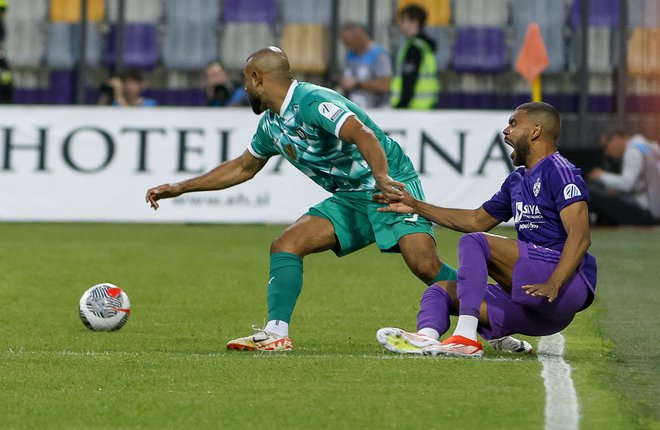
x=104, y=307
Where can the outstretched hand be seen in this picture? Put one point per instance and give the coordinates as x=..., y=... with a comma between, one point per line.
x=164, y=191
x=402, y=204
x=546, y=289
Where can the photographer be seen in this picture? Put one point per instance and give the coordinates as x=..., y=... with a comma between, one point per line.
x=125, y=90
x=220, y=90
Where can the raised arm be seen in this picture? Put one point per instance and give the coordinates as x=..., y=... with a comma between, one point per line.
x=226, y=175
x=465, y=220
x=575, y=218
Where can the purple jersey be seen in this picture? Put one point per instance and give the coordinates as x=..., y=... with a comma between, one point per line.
x=535, y=197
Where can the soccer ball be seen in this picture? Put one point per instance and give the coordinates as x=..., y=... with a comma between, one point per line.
x=104, y=307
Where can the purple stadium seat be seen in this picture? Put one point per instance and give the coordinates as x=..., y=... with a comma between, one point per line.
x=61, y=87
x=602, y=13
x=29, y=96
x=177, y=97
x=140, y=46
x=480, y=50
x=250, y=11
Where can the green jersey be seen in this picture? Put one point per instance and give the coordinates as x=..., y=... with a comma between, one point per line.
x=306, y=133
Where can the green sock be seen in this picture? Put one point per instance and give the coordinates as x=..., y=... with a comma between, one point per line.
x=286, y=275
x=446, y=273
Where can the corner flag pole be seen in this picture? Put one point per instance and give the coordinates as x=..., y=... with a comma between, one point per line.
x=536, y=89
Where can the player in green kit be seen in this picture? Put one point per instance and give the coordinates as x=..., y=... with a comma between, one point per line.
x=331, y=140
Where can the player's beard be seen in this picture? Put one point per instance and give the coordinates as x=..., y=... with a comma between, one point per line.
x=255, y=103
x=521, y=150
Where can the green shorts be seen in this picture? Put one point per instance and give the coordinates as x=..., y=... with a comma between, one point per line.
x=357, y=223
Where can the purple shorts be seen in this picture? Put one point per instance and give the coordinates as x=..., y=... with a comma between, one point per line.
x=534, y=316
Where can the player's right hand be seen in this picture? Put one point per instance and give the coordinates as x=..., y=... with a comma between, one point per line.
x=164, y=191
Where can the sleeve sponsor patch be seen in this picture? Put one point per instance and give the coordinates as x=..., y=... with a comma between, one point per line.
x=570, y=191
x=330, y=111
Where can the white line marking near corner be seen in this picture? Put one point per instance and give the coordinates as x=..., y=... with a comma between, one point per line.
x=561, y=402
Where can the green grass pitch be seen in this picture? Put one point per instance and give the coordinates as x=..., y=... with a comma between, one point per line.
x=195, y=287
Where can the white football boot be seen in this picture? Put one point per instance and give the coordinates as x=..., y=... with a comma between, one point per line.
x=403, y=342
x=261, y=340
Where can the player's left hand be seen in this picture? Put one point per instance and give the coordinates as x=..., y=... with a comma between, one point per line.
x=595, y=174
x=546, y=289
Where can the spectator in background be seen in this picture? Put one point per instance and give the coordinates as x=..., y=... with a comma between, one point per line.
x=220, y=90
x=6, y=78
x=125, y=90
x=367, y=70
x=415, y=84
x=625, y=198
x=6, y=81
x=3, y=9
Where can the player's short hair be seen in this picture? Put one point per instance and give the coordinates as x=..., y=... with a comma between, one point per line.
x=213, y=63
x=132, y=74
x=615, y=131
x=546, y=115
x=414, y=12
x=352, y=26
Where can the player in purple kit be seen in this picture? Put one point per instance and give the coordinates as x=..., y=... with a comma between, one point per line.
x=543, y=279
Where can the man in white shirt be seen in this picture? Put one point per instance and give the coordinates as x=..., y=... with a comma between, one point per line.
x=622, y=198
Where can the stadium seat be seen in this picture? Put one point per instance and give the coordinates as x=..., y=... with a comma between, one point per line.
x=177, y=97
x=140, y=46
x=189, y=34
x=189, y=45
x=441, y=36
x=30, y=86
x=70, y=10
x=63, y=46
x=21, y=10
x=61, y=87
x=644, y=52
x=142, y=11
x=306, y=45
x=241, y=40
x=200, y=11
x=643, y=13
x=308, y=11
x=602, y=13
x=353, y=11
x=438, y=11
x=491, y=13
x=602, y=49
x=547, y=13
x=25, y=40
x=250, y=11
x=479, y=50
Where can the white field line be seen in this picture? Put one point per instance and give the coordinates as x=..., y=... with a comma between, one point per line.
x=255, y=355
x=561, y=402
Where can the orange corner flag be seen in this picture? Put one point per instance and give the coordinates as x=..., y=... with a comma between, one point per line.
x=533, y=58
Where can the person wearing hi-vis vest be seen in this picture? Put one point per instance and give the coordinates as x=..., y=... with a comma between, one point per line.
x=415, y=84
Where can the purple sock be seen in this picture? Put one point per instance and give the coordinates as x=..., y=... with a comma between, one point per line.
x=434, y=309
x=473, y=257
